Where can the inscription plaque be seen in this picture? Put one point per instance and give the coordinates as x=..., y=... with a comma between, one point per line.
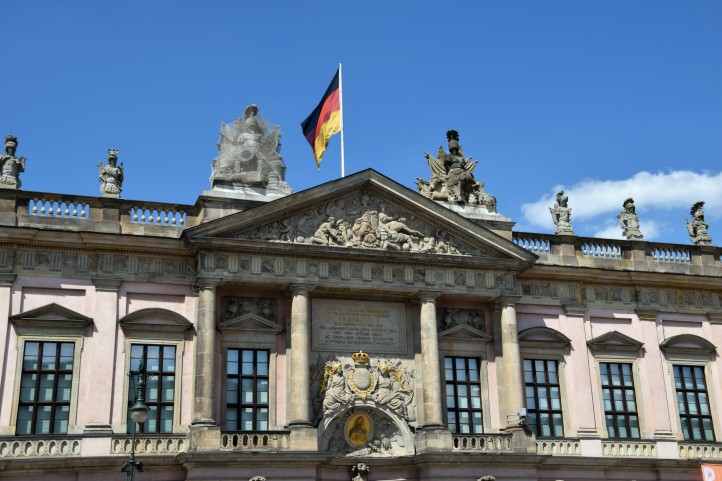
x=347, y=326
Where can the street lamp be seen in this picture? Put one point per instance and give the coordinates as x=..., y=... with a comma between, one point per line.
x=138, y=414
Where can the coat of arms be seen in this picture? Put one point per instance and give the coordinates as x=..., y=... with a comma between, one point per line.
x=361, y=380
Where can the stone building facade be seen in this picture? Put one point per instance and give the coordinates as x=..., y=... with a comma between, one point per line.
x=354, y=330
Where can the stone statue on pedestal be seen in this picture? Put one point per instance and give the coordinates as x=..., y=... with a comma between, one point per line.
x=629, y=221
x=698, y=229
x=249, y=162
x=11, y=166
x=562, y=215
x=111, y=175
x=452, y=178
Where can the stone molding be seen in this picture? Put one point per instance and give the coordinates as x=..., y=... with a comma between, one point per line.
x=107, y=284
x=615, y=342
x=544, y=338
x=52, y=316
x=154, y=319
x=688, y=345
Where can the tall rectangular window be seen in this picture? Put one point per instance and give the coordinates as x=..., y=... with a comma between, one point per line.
x=45, y=387
x=156, y=363
x=463, y=395
x=543, y=400
x=246, y=390
x=620, y=404
x=693, y=403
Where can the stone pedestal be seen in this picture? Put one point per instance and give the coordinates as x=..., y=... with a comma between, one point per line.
x=433, y=438
x=430, y=358
x=204, y=401
x=205, y=438
x=299, y=402
x=303, y=438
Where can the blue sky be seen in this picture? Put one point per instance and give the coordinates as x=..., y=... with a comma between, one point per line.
x=589, y=95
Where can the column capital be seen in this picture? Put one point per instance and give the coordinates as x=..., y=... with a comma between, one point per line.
x=504, y=301
x=646, y=314
x=7, y=279
x=107, y=284
x=207, y=282
x=428, y=296
x=301, y=288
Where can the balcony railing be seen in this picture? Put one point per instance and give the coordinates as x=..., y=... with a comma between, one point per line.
x=150, y=444
x=700, y=450
x=558, y=447
x=242, y=441
x=39, y=447
x=485, y=443
x=629, y=449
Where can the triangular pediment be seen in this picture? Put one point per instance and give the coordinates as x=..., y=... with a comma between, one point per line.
x=52, y=316
x=251, y=322
x=363, y=211
x=614, y=342
x=464, y=332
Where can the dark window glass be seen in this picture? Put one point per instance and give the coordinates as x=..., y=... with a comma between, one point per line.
x=620, y=404
x=543, y=399
x=695, y=416
x=45, y=387
x=156, y=363
x=463, y=395
x=246, y=390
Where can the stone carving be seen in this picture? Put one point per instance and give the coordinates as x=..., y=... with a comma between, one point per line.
x=234, y=307
x=562, y=215
x=249, y=155
x=360, y=472
x=453, y=317
x=698, y=229
x=487, y=478
x=11, y=166
x=111, y=175
x=366, y=432
x=629, y=221
x=386, y=384
x=257, y=478
x=452, y=178
x=360, y=221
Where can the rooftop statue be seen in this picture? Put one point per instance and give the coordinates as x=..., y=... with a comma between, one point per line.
x=452, y=177
x=111, y=175
x=11, y=166
x=562, y=215
x=629, y=221
x=698, y=229
x=249, y=156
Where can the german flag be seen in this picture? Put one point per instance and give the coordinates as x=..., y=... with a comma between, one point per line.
x=325, y=120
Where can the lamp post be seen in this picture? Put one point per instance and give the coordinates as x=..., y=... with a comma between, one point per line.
x=139, y=414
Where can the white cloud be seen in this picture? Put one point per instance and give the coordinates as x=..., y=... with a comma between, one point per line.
x=651, y=191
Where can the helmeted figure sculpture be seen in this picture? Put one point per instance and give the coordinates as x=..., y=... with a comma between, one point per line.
x=629, y=221
x=698, y=229
x=111, y=175
x=452, y=177
x=562, y=215
x=249, y=157
x=11, y=166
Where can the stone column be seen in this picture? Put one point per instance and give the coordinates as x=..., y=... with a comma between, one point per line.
x=431, y=365
x=6, y=289
x=510, y=382
x=299, y=401
x=204, y=401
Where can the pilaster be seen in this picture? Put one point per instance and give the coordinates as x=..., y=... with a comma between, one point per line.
x=204, y=401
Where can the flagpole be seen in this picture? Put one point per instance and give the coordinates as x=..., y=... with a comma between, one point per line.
x=340, y=101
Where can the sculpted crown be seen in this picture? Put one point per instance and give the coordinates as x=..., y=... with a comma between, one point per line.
x=360, y=357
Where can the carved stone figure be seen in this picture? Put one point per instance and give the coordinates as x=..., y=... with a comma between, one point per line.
x=360, y=221
x=111, y=175
x=629, y=221
x=360, y=472
x=452, y=177
x=234, y=307
x=249, y=157
x=387, y=384
x=11, y=166
x=698, y=229
x=562, y=215
x=453, y=317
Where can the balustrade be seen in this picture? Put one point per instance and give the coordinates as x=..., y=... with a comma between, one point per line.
x=679, y=255
x=532, y=243
x=259, y=440
x=486, y=443
x=36, y=448
x=633, y=449
x=58, y=209
x=157, y=216
x=601, y=248
x=558, y=447
x=159, y=444
x=700, y=450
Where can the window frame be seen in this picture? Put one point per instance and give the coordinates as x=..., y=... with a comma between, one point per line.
x=626, y=413
x=77, y=342
x=239, y=406
x=527, y=356
x=160, y=375
x=454, y=382
x=710, y=401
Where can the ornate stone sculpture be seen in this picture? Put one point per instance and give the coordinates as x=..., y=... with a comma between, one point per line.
x=234, y=307
x=386, y=384
x=249, y=157
x=360, y=221
x=562, y=215
x=453, y=317
x=698, y=229
x=629, y=221
x=360, y=472
x=452, y=178
x=11, y=166
x=111, y=175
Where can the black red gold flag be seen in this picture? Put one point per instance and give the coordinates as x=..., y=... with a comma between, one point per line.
x=325, y=120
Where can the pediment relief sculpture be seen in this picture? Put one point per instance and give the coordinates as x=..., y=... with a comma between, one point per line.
x=614, y=342
x=250, y=313
x=364, y=221
x=462, y=323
